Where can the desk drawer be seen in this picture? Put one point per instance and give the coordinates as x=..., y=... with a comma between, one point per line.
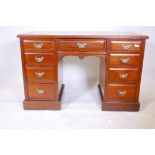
x=121, y=92
x=124, y=59
x=122, y=75
x=41, y=46
x=42, y=91
x=132, y=46
x=41, y=73
x=83, y=45
x=39, y=59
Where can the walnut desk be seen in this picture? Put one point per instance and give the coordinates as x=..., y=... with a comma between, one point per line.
x=121, y=59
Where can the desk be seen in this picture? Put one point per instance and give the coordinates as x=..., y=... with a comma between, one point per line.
x=121, y=59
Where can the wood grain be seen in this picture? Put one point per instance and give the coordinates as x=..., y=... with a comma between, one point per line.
x=91, y=45
x=41, y=74
x=117, y=60
x=50, y=91
x=133, y=46
x=130, y=75
x=32, y=45
x=48, y=59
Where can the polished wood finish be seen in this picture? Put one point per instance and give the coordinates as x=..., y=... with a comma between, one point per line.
x=42, y=91
x=119, y=106
x=114, y=92
x=87, y=45
x=38, y=35
x=47, y=59
x=31, y=45
x=124, y=60
x=41, y=105
x=41, y=74
x=125, y=45
x=122, y=75
x=121, y=61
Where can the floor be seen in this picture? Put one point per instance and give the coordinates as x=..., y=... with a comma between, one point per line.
x=80, y=109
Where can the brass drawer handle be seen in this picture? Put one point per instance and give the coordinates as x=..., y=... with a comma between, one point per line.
x=40, y=91
x=125, y=60
x=81, y=45
x=126, y=46
x=122, y=92
x=39, y=59
x=39, y=74
x=123, y=76
x=38, y=45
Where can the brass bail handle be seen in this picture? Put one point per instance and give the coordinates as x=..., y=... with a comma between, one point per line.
x=39, y=59
x=38, y=45
x=39, y=74
x=125, y=60
x=122, y=92
x=81, y=45
x=40, y=91
x=123, y=76
x=126, y=46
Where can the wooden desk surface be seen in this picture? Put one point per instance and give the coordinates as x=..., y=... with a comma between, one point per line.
x=82, y=34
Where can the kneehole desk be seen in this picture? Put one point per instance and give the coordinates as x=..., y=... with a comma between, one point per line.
x=121, y=60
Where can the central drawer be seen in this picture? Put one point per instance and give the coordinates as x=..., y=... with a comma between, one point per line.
x=82, y=45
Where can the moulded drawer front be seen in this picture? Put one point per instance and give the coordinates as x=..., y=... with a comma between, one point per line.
x=122, y=75
x=31, y=45
x=125, y=46
x=39, y=59
x=42, y=91
x=85, y=45
x=43, y=74
x=121, y=92
x=124, y=59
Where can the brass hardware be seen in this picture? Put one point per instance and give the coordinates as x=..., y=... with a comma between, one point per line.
x=125, y=60
x=40, y=91
x=39, y=74
x=123, y=76
x=39, y=59
x=122, y=92
x=126, y=46
x=136, y=45
x=81, y=45
x=38, y=45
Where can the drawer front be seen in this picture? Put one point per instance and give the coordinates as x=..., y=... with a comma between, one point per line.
x=133, y=46
x=124, y=59
x=43, y=74
x=39, y=59
x=31, y=45
x=85, y=45
x=121, y=92
x=42, y=91
x=122, y=75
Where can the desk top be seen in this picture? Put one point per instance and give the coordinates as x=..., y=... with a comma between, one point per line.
x=82, y=34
